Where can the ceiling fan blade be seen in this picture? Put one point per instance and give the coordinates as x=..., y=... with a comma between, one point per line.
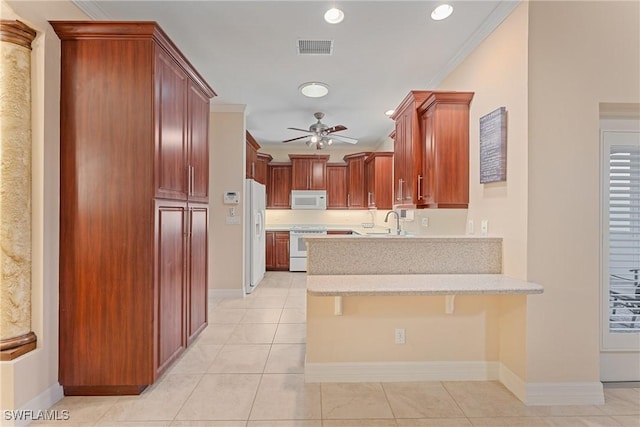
x=337, y=128
x=301, y=130
x=345, y=138
x=295, y=139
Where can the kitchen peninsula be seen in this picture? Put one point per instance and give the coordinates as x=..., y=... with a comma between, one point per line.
x=415, y=308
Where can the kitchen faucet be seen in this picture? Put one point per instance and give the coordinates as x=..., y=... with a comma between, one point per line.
x=386, y=219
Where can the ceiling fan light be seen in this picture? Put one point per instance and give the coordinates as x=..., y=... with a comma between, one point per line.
x=314, y=89
x=442, y=12
x=334, y=16
x=314, y=138
x=309, y=143
x=330, y=141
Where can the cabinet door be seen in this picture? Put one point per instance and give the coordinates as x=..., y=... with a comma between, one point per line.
x=356, y=183
x=262, y=164
x=281, y=246
x=318, y=174
x=300, y=174
x=198, y=132
x=426, y=178
x=270, y=250
x=170, y=281
x=399, y=166
x=336, y=186
x=171, y=171
x=197, y=290
x=279, y=187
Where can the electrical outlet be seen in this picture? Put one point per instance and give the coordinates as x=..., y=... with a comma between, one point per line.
x=470, y=227
x=425, y=221
x=484, y=227
x=400, y=336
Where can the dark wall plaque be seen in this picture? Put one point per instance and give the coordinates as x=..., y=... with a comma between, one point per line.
x=493, y=146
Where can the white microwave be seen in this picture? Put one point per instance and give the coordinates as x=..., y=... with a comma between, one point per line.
x=308, y=199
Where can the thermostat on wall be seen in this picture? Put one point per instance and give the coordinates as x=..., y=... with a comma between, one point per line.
x=231, y=198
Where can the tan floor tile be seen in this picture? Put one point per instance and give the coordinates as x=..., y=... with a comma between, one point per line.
x=627, y=420
x=215, y=334
x=621, y=401
x=291, y=333
x=162, y=401
x=262, y=315
x=253, y=334
x=580, y=422
x=226, y=315
x=487, y=399
x=354, y=400
x=240, y=302
x=288, y=423
x=267, y=302
x=296, y=301
x=294, y=315
x=434, y=422
x=79, y=409
x=221, y=397
x=263, y=291
x=286, y=359
x=508, y=422
x=241, y=359
x=196, y=359
x=286, y=397
x=210, y=423
x=359, y=423
x=421, y=400
x=133, y=424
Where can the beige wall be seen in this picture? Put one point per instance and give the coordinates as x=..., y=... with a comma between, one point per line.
x=226, y=173
x=580, y=54
x=31, y=381
x=497, y=72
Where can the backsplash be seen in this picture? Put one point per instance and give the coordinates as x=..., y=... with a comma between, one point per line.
x=441, y=222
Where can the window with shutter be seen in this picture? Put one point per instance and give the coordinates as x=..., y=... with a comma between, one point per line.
x=621, y=236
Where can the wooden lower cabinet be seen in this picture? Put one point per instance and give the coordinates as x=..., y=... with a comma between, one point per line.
x=277, y=256
x=197, y=294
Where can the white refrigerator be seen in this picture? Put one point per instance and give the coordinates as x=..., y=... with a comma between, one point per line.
x=255, y=236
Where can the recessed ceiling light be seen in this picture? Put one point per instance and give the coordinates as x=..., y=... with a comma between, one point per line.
x=441, y=12
x=314, y=89
x=334, y=16
x=389, y=112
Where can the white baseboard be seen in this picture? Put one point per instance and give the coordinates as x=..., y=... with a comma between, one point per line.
x=226, y=293
x=513, y=382
x=401, y=371
x=574, y=393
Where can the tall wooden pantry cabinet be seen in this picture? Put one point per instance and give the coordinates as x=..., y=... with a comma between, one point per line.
x=134, y=156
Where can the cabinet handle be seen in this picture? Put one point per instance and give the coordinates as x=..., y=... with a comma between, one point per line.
x=192, y=179
x=420, y=187
x=348, y=200
x=253, y=170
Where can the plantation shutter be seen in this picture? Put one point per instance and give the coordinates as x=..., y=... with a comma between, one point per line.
x=624, y=238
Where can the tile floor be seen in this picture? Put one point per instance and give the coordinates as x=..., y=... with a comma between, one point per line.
x=246, y=370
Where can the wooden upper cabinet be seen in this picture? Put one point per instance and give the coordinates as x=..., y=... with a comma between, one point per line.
x=279, y=186
x=182, y=112
x=172, y=167
x=431, y=159
x=198, y=143
x=408, y=148
x=308, y=172
x=444, y=124
x=336, y=186
x=251, y=156
x=262, y=168
x=356, y=183
x=379, y=176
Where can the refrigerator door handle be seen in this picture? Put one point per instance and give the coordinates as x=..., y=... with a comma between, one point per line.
x=259, y=224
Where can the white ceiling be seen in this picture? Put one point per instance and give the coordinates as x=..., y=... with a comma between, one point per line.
x=247, y=51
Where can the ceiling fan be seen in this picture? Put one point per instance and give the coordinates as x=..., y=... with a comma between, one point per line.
x=322, y=135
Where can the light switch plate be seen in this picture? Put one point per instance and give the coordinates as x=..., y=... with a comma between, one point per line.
x=484, y=227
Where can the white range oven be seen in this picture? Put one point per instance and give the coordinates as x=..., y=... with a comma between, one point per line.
x=297, y=246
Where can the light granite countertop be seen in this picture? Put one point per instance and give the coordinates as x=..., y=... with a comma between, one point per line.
x=418, y=284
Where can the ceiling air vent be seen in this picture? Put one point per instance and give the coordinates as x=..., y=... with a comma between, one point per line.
x=315, y=47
